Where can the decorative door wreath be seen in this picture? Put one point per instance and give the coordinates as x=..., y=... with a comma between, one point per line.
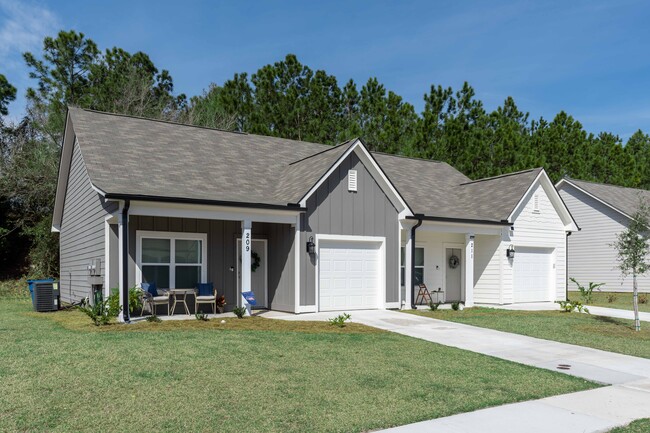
x=255, y=261
x=454, y=261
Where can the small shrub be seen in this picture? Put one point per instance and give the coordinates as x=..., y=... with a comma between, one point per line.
x=433, y=306
x=99, y=313
x=153, y=318
x=611, y=297
x=340, y=320
x=569, y=306
x=643, y=298
x=586, y=293
x=455, y=306
x=239, y=312
x=202, y=316
x=135, y=300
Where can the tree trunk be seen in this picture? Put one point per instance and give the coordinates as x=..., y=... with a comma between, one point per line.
x=635, y=297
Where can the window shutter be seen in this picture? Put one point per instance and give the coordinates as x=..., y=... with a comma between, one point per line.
x=352, y=180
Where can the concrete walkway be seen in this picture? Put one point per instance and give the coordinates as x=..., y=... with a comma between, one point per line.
x=587, y=411
x=551, y=306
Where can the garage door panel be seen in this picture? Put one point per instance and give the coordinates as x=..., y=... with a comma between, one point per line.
x=532, y=280
x=349, y=275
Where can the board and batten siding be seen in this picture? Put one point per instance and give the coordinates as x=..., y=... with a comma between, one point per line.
x=221, y=249
x=332, y=209
x=82, y=233
x=543, y=229
x=591, y=256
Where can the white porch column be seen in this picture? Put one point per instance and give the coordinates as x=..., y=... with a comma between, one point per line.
x=408, y=277
x=246, y=244
x=124, y=303
x=469, y=269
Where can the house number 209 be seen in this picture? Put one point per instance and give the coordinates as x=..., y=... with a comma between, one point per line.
x=247, y=242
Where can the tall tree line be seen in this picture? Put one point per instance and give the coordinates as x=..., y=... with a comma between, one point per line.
x=284, y=99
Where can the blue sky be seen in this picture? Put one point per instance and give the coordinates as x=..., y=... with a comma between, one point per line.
x=589, y=58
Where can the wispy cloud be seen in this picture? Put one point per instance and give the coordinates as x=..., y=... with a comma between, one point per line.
x=23, y=26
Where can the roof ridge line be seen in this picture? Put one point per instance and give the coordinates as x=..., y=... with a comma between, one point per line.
x=336, y=146
x=414, y=158
x=606, y=184
x=514, y=173
x=169, y=122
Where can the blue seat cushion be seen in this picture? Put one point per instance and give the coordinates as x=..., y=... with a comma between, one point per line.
x=152, y=289
x=205, y=289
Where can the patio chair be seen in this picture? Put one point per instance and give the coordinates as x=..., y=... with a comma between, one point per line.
x=151, y=298
x=205, y=294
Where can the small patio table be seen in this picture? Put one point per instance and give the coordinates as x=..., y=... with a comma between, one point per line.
x=180, y=295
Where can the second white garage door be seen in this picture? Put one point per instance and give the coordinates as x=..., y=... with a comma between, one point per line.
x=349, y=275
x=532, y=274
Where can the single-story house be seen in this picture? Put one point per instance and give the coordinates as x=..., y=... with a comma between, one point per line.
x=329, y=227
x=602, y=211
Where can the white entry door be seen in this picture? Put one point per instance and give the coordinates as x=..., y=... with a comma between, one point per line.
x=259, y=279
x=349, y=275
x=532, y=269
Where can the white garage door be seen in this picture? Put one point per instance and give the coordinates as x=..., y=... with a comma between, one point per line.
x=349, y=276
x=532, y=274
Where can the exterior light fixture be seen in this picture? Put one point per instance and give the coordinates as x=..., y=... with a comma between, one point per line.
x=510, y=252
x=311, y=246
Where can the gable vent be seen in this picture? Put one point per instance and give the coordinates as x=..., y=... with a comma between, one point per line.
x=352, y=180
x=536, y=203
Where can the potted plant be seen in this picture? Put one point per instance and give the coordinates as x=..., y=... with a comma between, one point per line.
x=221, y=301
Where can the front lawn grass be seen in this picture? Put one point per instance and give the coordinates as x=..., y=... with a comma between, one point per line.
x=638, y=426
x=613, y=335
x=623, y=300
x=61, y=374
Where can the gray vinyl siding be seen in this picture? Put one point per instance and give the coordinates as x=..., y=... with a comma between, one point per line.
x=82, y=231
x=591, y=256
x=222, y=237
x=332, y=209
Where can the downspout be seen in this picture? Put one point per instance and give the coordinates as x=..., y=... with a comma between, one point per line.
x=125, y=260
x=412, y=270
x=566, y=267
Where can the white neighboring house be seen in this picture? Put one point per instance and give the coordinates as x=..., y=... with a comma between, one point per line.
x=602, y=211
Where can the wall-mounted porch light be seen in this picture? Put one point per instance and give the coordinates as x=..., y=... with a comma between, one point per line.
x=311, y=246
x=510, y=252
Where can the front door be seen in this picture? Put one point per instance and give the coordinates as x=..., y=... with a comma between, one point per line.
x=259, y=281
x=453, y=275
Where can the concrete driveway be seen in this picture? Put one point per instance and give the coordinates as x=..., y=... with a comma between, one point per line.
x=588, y=411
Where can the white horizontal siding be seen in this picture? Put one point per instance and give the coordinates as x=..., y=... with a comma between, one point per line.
x=487, y=269
x=591, y=256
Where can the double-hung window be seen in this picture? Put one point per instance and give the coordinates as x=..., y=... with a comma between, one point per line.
x=419, y=265
x=171, y=260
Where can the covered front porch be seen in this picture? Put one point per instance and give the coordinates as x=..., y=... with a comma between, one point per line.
x=455, y=262
x=178, y=247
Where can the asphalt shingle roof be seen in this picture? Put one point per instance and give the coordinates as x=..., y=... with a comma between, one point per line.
x=143, y=157
x=626, y=200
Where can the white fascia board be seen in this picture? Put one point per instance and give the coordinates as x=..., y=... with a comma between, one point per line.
x=553, y=195
x=372, y=166
x=462, y=228
x=200, y=211
x=568, y=182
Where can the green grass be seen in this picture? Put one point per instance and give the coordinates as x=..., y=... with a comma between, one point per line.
x=638, y=426
x=623, y=300
x=614, y=335
x=59, y=374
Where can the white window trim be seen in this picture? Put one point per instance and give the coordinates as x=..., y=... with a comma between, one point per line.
x=381, y=303
x=424, y=262
x=172, y=236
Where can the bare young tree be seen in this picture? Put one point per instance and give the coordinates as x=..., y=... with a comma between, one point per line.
x=632, y=248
